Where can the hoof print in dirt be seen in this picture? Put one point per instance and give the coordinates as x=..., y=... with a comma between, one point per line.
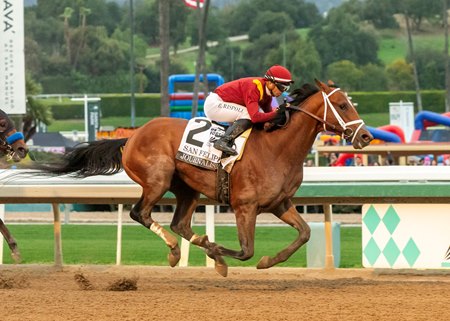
x=123, y=284
x=18, y=282
x=83, y=282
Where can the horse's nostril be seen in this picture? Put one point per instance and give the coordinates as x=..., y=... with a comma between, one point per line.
x=367, y=138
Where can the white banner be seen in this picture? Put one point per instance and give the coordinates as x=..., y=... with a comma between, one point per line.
x=406, y=236
x=12, y=58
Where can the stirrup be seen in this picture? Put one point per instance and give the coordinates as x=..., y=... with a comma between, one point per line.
x=223, y=146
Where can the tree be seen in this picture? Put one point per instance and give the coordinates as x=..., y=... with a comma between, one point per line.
x=400, y=75
x=244, y=14
x=380, y=13
x=417, y=11
x=346, y=74
x=37, y=112
x=178, y=18
x=268, y=22
x=373, y=78
x=227, y=60
x=430, y=68
x=257, y=51
x=342, y=38
x=302, y=58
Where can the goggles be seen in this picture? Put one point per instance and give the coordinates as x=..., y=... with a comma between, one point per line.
x=282, y=86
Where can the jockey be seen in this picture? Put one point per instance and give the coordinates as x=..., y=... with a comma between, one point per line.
x=240, y=101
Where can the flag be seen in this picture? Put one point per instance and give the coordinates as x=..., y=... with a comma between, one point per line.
x=193, y=3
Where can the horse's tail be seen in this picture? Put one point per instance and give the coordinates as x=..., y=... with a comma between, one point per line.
x=103, y=157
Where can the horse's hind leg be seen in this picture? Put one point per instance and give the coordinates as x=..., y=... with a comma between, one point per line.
x=187, y=200
x=141, y=213
x=288, y=214
x=15, y=254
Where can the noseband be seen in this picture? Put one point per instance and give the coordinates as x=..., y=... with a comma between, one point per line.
x=347, y=132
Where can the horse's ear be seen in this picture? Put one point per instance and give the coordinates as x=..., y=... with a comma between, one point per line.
x=331, y=83
x=321, y=85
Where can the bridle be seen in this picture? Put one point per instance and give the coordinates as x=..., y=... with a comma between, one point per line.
x=347, y=132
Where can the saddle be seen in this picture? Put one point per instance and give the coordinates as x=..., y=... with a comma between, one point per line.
x=197, y=148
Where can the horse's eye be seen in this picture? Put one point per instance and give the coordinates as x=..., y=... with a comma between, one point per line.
x=3, y=124
x=343, y=106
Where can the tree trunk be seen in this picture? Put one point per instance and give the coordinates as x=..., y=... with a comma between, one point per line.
x=200, y=66
x=413, y=60
x=164, y=25
x=447, y=69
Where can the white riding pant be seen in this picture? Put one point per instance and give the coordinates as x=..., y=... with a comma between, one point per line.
x=216, y=109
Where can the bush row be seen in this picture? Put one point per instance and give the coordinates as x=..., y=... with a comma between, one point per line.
x=148, y=105
x=378, y=102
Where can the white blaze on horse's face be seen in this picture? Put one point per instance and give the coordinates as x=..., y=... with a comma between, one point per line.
x=342, y=108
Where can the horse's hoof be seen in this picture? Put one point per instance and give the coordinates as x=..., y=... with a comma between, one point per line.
x=16, y=257
x=222, y=269
x=174, y=256
x=264, y=263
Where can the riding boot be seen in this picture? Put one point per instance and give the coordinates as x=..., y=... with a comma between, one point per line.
x=225, y=143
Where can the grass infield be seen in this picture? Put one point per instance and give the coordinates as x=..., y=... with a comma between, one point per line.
x=96, y=244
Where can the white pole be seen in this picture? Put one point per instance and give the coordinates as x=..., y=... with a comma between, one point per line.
x=185, y=245
x=86, y=99
x=2, y=217
x=86, y=115
x=329, y=256
x=119, y=234
x=209, y=209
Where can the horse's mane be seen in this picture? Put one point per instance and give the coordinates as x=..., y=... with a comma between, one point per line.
x=297, y=96
x=301, y=94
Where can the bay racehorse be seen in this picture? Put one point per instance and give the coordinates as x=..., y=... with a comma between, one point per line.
x=264, y=180
x=12, y=146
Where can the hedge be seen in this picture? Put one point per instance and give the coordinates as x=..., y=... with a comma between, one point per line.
x=378, y=102
x=148, y=105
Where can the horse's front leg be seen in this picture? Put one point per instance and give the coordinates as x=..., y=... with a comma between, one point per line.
x=245, y=223
x=15, y=254
x=288, y=214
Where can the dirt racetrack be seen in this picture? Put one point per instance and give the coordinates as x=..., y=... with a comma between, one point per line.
x=41, y=292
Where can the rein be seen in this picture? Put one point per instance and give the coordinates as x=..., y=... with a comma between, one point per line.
x=347, y=132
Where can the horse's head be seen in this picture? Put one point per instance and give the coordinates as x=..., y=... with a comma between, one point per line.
x=340, y=116
x=12, y=143
x=332, y=109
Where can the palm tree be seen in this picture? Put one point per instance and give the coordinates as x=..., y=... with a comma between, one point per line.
x=67, y=15
x=413, y=60
x=84, y=12
x=200, y=66
x=164, y=26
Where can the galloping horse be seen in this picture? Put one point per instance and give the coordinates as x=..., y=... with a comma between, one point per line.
x=264, y=180
x=12, y=145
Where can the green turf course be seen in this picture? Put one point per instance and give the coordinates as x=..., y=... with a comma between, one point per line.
x=96, y=244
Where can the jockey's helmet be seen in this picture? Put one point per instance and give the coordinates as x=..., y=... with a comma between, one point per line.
x=280, y=76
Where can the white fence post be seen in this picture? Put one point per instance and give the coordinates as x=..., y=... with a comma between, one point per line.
x=119, y=234
x=209, y=211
